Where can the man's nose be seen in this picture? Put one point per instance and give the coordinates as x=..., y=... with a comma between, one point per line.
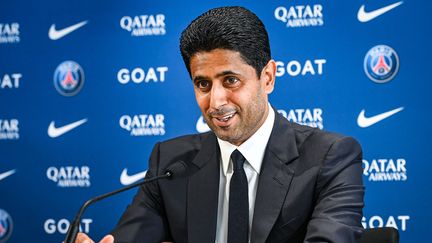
x=218, y=96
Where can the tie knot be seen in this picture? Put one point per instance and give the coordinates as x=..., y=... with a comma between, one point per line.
x=238, y=160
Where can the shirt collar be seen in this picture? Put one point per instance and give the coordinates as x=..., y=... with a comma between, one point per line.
x=252, y=149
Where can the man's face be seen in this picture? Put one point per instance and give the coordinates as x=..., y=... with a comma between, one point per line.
x=232, y=99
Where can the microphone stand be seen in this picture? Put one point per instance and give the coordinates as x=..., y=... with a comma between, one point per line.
x=74, y=226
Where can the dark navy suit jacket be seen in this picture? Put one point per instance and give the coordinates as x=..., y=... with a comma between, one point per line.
x=310, y=189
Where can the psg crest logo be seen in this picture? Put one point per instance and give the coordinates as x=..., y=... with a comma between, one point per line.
x=381, y=64
x=68, y=78
x=5, y=226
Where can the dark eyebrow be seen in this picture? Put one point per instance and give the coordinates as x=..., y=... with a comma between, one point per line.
x=227, y=72
x=224, y=73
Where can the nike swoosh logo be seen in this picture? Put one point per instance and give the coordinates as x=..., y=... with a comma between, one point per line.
x=364, y=16
x=364, y=122
x=6, y=174
x=58, y=131
x=126, y=179
x=54, y=34
x=201, y=126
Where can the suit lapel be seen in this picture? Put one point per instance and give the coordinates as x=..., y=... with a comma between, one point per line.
x=203, y=193
x=274, y=179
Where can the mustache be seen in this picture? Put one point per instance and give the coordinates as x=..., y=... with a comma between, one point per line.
x=221, y=111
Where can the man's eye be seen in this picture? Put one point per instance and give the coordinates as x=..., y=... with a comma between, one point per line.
x=232, y=80
x=203, y=84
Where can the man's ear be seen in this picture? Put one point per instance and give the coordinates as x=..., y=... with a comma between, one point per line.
x=268, y=76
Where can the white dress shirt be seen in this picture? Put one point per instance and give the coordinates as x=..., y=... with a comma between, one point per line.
x=253, y=150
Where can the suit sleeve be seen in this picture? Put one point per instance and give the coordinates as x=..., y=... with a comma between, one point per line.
x=144, y=220
x=339, y=195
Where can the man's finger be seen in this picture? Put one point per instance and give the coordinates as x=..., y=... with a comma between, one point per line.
x=83, y=238
x=107, y=239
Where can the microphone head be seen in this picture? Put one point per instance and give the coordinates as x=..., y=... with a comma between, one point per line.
x=176, y=169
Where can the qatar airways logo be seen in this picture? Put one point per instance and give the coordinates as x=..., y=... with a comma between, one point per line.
x=385, y=169
x=9, y=129
x=69, y=176
x=308, y=117
x=300, y=15
x=143, y=124
x=295, y=68
x=9, y=33
x=144, y=25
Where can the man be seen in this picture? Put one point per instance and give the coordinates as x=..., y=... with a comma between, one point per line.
x=255, y=177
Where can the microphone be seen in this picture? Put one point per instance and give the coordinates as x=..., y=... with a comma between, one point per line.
x=171, y=171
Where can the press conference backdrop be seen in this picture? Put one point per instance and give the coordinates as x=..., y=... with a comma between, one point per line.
x=88, y=87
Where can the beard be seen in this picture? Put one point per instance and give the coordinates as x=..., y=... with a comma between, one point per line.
x=247, y=120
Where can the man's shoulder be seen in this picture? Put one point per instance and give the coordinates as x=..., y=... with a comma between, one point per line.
x=184, y=147
x=317, y=139
x=189, y=139
x=324, y=149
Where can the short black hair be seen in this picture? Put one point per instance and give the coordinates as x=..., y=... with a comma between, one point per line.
x=232, y=28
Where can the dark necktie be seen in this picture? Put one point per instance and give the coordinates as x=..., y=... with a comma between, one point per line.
x=238, y=212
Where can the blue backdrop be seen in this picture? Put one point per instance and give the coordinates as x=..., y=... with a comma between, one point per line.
x=87, y=88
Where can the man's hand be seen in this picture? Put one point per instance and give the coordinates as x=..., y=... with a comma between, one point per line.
x=83, y=238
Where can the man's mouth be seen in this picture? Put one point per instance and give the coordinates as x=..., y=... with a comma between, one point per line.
x=226, y=117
